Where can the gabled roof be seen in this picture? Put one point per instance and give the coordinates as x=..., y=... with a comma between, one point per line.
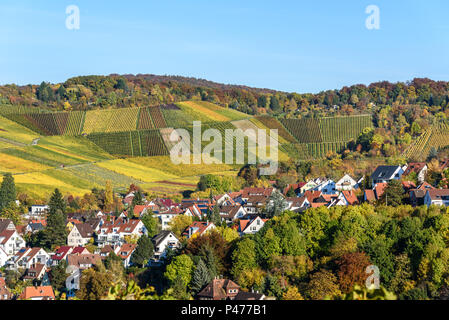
x=425, y=185
x=126, y=250
x=79, y=260
x=199, y=226
x=36, y=292
x=218, y=288
x=384, y=172
x=161, y=237
x=350, y=197
x=407, y=185
x=61, y=252
x=229, y=212
x=245, y=223
x=85, y=230
x=414, y=167
x=6, y=235
x=379, y=189
x=370, y=195
x=438, y=194
x=6, y=224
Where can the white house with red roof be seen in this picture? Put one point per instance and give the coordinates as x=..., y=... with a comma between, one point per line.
x=10, y=239
x=27, y=257
x=193, y=211
x=251, y=226
x=114, y=232
x=439, y=197
x=346, y=198
x=165, y=217
x=125, y=252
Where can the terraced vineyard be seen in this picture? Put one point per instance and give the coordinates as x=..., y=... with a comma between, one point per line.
x=158, y=118
x=131, y=143
x=145, y=121
x=304, y=130
x=435, y=137
x=320, y=149
x=343, y=128
x=114, y=120
x=273, y=123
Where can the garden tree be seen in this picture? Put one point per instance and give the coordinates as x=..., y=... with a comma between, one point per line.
x=380, y=252
x=55, y=234
x=137, y=199
x=131, y=292
x=109, y=196
x=342, y=245
x=7, y=191
x=144, y=251
x=228, y=234
x=110, y=259
x=152, y=223
x=352, y=270
x=323, y=284
x=12, y=212
x=276, y=205
x=94, y=283
x=292, y=293
x=272, y=287
x=402, y=279
x=291, y=193
x=243, y=257
x=215, y=217
x=269, y=246
x=56, y=202
x=253, y=278
x=393, y=194
x=182, y=267
x=179, y=223
x=294, y=268
x=213, y=248
x=312, y=225
x=58, y=275
x=291, y=239
x=201, y=277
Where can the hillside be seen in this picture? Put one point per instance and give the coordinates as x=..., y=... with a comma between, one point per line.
x=80, y=150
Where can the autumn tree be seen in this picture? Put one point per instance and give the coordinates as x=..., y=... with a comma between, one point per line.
x=352, y=270
x=7, y=191
x=323, y=284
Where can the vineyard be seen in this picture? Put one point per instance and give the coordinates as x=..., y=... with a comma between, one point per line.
x=435, y=137
x=304, y=130
x=273, y=123
x=343, y=128
x=158, y=118
x=114, y=120
x=131, y=143
x=145, y=121
x=320, y=149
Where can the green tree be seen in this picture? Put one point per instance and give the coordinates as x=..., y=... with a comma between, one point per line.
x=7, y=191
x=201, y=277
x=181, y=266
x=322, y=285
x=276, y=205
x=13, y=213
x=151, y=223
x=58, y=275
x=143, y=252
x=94, y=283
x=244, y=257
x=274, y=104
x=393, y=194
x=55, y=234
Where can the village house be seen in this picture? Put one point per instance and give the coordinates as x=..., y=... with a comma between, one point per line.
x=114, y=232
x=326, y=187
x=36, y=271
x=420, y=168
x=37, y=293
x=298, y=204
x=346, y=183
x=80, y=235
x=38, y=210
x=296, y=187
x=384, y=174
x=162, y=242
x=251, y=226
x=439, y=197
x=255, y=204
x=198, y=228
x=346, y=198
x=5, y=293
x=125, y=252
x=63, y=251
x=233, y=212
x=375, y=194
x=25, y=258
x=10, y=240
x=417, y=195
x=165, y=217
x=219, y=289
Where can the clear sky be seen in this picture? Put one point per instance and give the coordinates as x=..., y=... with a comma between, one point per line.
x=301, y=46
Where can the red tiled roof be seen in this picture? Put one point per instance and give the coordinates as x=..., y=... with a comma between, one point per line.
x=380, y=189
x=351, y=197
x=370, y=196
x=35, y=292
x=414, y=167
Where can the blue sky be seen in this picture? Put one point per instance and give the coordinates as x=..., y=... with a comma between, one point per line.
x=301, y=46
